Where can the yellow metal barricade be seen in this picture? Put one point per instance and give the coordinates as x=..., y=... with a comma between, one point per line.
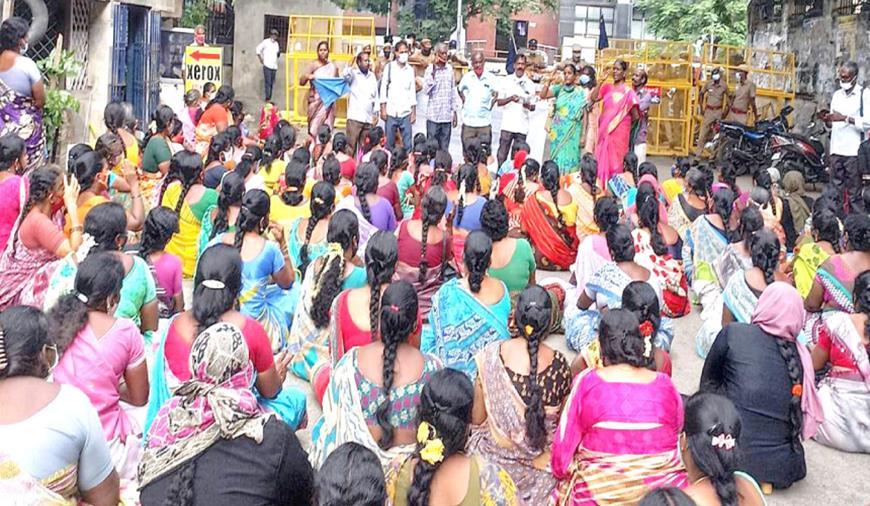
x=346, y=36
x=668, y=65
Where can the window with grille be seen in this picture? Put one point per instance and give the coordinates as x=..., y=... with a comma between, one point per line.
x=78, y=41
x=805, y=9
x=280, y=23
x=586, y=18
x=850, y=7
x=766, y=11
x=40, y=49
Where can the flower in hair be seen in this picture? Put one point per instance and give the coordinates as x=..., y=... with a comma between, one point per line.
x=3, y=361
x=432, y=451
x=647, y=346
x=797, y=390
x=646, y=328
x=335, y=247
x=529, y=330
x=394, y=308
x=724, y=441
x=318, y=200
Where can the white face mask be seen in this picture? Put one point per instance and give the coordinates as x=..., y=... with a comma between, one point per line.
x=716, y=77
x=846, y=86
x=403, y=58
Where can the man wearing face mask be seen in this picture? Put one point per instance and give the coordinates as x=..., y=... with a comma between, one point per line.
x=743, y=99
x=849, y=122
x=361, y=103
x=714, y=92
x=420, y=61
x=477, y=89
x=268, y=52
x=516, y=96
x=439, y=90
x=398, y=97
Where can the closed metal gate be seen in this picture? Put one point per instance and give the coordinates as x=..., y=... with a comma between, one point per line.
x=120, y=22
x=136, y=59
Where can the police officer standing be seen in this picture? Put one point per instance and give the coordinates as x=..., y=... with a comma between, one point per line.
x=714, y=92
x=743, y=100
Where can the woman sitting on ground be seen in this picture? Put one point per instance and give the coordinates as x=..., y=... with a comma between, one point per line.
x=54, y=448
x=306, y=237
x=592, y=253
x=736, y=256
x=603, y=453
x=374, y=392
x=548, y=218
x=290, y=203
x=92, y=173
x=585, y=192
x=711, y=450
x=103, y=356
x=217, y=286
x=843, y=341
x=705, y=241
x=468, y=313
x=812, y=250
x=693, y=202
x=222, y=217
x=467, y=200
x=832, y=286
x=521, y=386
x=386, y=186
x=160, y=225
x=352, y=474
x=768, y=375
x=354, y=313
x=372, y=211
x=227, y=450
x=439, y=471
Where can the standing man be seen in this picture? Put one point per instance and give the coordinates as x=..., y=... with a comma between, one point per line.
x=516, y=96
x=385, y=59
x=362, y=112
x=714, y=91
x=199, y=36
x=399, y=97
x=536, y=60
x=438, y=87
x=645, y=100
x=267, y=52
x=743, y=100
x=478, y=93
x=421, y=60
x=849, y=121
x=577, y=57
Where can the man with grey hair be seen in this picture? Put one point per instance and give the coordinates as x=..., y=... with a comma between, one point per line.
x=477, y=89
x=438, y=88
x=849, y=121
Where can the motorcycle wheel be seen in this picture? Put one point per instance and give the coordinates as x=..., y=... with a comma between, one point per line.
x=722, y=151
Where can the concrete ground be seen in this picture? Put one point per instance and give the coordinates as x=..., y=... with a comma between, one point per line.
x=833, y=477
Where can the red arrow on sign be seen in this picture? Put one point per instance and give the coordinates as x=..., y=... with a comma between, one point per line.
x=196, y=55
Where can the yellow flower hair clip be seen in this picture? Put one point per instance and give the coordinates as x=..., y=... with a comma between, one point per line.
x=529, y=330
x=433, y=448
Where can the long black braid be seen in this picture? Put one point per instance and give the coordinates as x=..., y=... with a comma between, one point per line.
x=477, y=257
x=433, y=206
x=159, y=227
x=253, y=216
x=763, y=180
x=532, y=169
x=723, y=205
x=589, y=174
x=321, y=204
x=466, y=179
x=789, y=353
x=533, y=315
x=382, y=253
x=764, y=249
x=366, y=182
x=186, y=168
x=232, y=192
x=550, y=180
x=648, y=215
x=42, y=182
x=343, y=230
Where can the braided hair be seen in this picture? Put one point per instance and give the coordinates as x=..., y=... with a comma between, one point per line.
x=107, y=224
x=466, y=179
x=382, y=253
x=160, y=224
x=606, y=213
x=331, y=170
x=433, y=206
x=219, y=145
x=709, y=416
x=620, y=243
x=764, y=249
x=640, y=298
x=399, y=161
x=788, y=352
x=494, y=220
x=253, y=215
x=343, y=230
x=445, y=404
x=114, y=116
x=723, y=205
x=826, y=227
x=42, y=183
x=366, y=182
x=295, y=175
x=533, y=318
x=322, y=204
x=648, y=215
x=751, y=222
x=477, y=257
x=98, y=279
x=379, y=158
x=232, y=192
x=589, y=174
x=620, y=339
x=398, y=321
x=220, y=263
x=858, y=232
x=443, y=164
x=763, y=179
x=532, y=169
x=186, y=168
x=271, y=151
x=550, y=180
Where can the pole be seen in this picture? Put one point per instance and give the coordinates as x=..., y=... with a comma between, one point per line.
x=460, y=34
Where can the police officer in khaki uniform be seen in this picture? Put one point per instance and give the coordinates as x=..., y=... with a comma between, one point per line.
x=714, y=91
x=537, y=61
x=743, y=99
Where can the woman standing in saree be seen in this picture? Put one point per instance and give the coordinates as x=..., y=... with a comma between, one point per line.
x=603, y=453
x=548, y=218
x=468, y=314
x=325, y=278
x=22, y=92
x=566, y=132
x=37, y=246
x=183, y=191
x=520, y=388
x=618, y=112
x=832, y=286
x=843, y=340
x=319, y=114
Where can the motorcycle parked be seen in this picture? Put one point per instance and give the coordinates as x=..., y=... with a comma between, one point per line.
x=748, y=148
x=805, y=153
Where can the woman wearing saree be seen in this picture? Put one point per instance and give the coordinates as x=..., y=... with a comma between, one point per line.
x=325, y=278
x=470, y=313
x=844, y=392
x=37, y=247
x=618, y=112
x=735, y=257
x=520, y=388
x=548, y=217
x=217, y=286
x=215, y=119
x=22, y=92
x=566, y=131
x=832, y=286
x=592, y=253
x=306, y=237
x=318, y=113
x=603, y=453
x=604, y=288
x=812, y=250
x=54, y=452
x=593, y=111
x=221, y=217
x=374, y=393
x=705, y=240
x=373, y=212
x=183, y=191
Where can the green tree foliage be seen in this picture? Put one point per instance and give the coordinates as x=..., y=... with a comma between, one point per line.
x=688, y=20
x=59, y=103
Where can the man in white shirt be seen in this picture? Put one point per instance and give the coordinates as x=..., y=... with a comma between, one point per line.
x=399, y=96
x=477, y=89
x=849, y=121
x=517, y=97
x=362, y=112
x=267, y=52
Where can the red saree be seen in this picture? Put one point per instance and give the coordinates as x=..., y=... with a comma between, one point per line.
x=555, y=248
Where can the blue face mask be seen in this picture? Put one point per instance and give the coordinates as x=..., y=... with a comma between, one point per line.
x=584, y=79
